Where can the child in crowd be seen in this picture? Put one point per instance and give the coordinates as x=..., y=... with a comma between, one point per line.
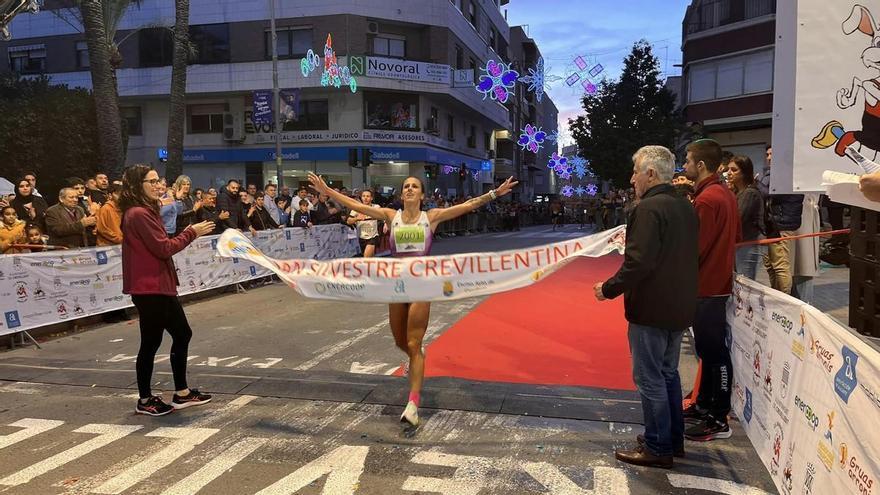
x=35, y=238
x=302, y=218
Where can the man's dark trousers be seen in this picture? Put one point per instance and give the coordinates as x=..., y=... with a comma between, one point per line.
x=710, y=339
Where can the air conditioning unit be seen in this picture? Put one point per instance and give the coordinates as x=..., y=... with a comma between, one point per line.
x=372, y=28
x=233, y=130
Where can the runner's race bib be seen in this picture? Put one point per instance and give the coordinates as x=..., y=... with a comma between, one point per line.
x=409, y=238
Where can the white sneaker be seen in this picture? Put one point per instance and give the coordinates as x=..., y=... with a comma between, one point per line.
x=410, y=414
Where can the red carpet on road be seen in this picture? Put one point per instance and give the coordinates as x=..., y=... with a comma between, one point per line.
x=553, y=332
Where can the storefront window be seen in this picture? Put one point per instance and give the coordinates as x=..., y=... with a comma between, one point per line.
x=391, y=111
x=313, y=116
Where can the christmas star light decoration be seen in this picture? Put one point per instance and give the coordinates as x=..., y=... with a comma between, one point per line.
x=592, y=189
x=532, y=138
x=583, y=74
x=567, y=191
x=539, y=79
x=498, y=81
x=333, y=74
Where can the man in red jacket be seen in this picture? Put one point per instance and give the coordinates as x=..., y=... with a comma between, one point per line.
x=720, y=230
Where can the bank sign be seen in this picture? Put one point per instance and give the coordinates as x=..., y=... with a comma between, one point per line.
x=392, y=68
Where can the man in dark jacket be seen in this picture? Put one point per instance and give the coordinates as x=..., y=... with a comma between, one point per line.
x=720, y=229
x=259, y=217
x=229, y=200
x=659, y=282
x=783, y=214
x=325, y=212
x=209, y=212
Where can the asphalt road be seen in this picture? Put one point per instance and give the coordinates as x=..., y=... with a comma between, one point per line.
x=304, y=405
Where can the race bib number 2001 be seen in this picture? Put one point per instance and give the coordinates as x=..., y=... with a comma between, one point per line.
x=409, y=238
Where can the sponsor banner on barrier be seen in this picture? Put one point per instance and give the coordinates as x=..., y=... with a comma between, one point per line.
x=43, y=288
x=806, y=392
x=428, y=278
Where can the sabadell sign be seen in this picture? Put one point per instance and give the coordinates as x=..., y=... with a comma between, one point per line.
x=392, y=68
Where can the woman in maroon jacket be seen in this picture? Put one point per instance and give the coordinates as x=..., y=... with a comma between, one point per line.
x=148, y=274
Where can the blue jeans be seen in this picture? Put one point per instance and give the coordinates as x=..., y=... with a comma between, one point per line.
x=655, y=354
x=747, y=260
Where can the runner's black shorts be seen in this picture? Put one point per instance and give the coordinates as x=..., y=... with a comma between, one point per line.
x=374, y=241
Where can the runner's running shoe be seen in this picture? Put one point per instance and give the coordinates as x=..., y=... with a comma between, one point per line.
x=194, y=398
x=410, y=414
x=154, y=406
x=710, y=429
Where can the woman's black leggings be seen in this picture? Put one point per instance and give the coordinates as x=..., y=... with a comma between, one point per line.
x=157, y=314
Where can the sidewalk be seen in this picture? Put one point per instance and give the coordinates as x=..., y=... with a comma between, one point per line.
x=830, y=290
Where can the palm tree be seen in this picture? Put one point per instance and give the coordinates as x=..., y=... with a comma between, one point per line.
x=177, y=107
x=99, y=20
x=100, y=31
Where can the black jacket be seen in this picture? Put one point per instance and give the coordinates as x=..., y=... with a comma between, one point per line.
x=781, y=211
x=261, y=220
x=237, y=216
x=659, y=274
x=301, y=219
x=211, y=213
x=322, y=215
x=751, y=212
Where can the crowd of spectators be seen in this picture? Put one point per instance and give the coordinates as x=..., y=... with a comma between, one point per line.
x=86, y=212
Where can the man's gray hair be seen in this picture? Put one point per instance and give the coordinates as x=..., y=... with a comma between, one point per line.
x=658, y=158
x=63, y=192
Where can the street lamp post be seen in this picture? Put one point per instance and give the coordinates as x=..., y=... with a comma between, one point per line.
x=276, y=91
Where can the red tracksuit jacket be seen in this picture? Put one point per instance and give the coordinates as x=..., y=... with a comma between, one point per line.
x=720, y=230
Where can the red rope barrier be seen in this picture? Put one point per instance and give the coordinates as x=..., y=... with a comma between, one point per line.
x=762, y=242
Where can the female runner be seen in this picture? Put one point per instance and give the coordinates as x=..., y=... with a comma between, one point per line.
x=412, y=232
x=367, y=228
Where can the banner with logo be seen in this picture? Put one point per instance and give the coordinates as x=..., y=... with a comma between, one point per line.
x=807, y=392
x=43, y=288
x=394, y=68
x=262, y=114
x=424, y=278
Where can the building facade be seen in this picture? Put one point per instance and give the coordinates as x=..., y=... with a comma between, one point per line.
x=727, y=70
x=524, y=108
x=414, y=63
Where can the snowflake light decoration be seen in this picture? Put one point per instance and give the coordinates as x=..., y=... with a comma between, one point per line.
x=531, y=138
x=476, y=175
x=567, y=191
x=498, y=81
x=580, y=190
x=583, y=74
x=539, y=79
x=333, y=74
x=553, y=137
x=564, y=174
x=579, y=166
x=592, y=189
x=448, y=169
